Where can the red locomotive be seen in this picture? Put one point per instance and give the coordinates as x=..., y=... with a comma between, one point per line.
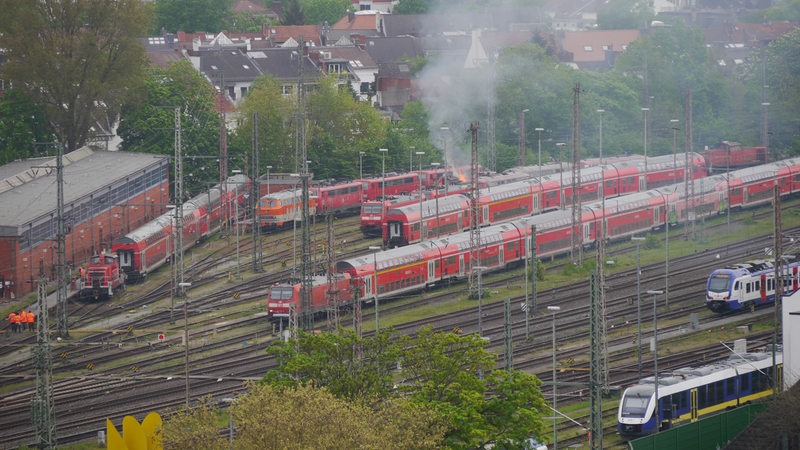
x=103, y=278
x=151, y=245
x=728, y=155
x=414, y=267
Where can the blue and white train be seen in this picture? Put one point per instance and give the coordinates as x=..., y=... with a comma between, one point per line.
x=686, y=394
x=749, y=285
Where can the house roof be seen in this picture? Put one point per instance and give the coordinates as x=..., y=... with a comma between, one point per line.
x=357, y=57
x=229, y=63
x=591, y=46
x=162, y=50
x=282, y=64
x=393, y=49
x=362, y=21
x=282, y=33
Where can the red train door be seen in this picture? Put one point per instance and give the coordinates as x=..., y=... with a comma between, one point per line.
x=763, y=288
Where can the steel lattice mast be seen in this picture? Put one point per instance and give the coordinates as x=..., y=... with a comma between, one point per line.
x=576, y=237
x=61, y=262
x=255, y=195
x=474, y=211
x=333, y=293
x=596, y=386
x=42, y=401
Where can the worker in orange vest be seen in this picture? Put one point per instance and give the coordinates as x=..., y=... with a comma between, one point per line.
x=31, y=321
x=23, y=321
x=13, y=318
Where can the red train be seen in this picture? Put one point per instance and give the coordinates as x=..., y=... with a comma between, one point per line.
x=409, y=223
x=103, y=278
x=414, y=267
x=728, y=155
x=151, y=245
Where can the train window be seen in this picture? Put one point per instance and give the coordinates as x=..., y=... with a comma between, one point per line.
x=702, y=400
x=747, y=287
x=758, y=285
x=744, y=381
x=730, y=387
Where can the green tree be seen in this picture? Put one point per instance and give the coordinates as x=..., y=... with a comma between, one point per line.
x=316, y=12
x=193, y=428
x=624, y=14
x=443, y=370
x=22, y=126
x=304, y=417
x=148, y=123
x=783, y=78
x=331, y=360
x=412, y=7
x=191, y=15
x=293, y=14
x=275, y=125
x=338, y=128
x=77, y=60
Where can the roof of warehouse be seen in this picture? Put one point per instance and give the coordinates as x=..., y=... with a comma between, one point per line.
x=28, y=188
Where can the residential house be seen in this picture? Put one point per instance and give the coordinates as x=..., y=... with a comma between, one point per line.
x=595, y=50
x=353, y=64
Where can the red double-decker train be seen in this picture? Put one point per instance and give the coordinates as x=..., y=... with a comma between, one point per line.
x=151, y=245
x=411, y=223
x=414, y=267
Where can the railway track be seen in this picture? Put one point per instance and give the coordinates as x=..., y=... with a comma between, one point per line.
x=130, y=366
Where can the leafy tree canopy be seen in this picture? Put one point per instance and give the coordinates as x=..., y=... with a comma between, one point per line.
x=76, y=60
x=316, y=12
x=23, y=128
x=148, y=123
x=440, y=371
x=191, y=15
x=293, y=13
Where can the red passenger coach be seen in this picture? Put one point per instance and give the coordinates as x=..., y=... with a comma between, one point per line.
x=374, y=188
x=151, y=245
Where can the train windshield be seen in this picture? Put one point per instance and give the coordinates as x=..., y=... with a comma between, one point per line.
x=372, y=208
x=635, y=400
x=719, y=283
x=280, y=293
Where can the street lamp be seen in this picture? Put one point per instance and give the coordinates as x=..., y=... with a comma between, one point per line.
x=601, y=111
x=361, y=165
x=480, y=270
x=638, y=240
x=522, y=136
x=183, y=287
x=539, y=134
x=236, y=222
x=644, y=111
x=435, y=166
x=268, y=169
x=419, y=178
x=554, y=310
x=444, y=130
x=655, y=355
x=375, y=249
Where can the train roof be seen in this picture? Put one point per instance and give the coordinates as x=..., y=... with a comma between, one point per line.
x=679, y=380
x=28, y=188
x=444, y=204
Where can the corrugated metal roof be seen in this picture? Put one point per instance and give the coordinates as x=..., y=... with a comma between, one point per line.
x=29, y=187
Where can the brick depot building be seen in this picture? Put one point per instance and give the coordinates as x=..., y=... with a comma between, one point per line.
x=106, y=194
